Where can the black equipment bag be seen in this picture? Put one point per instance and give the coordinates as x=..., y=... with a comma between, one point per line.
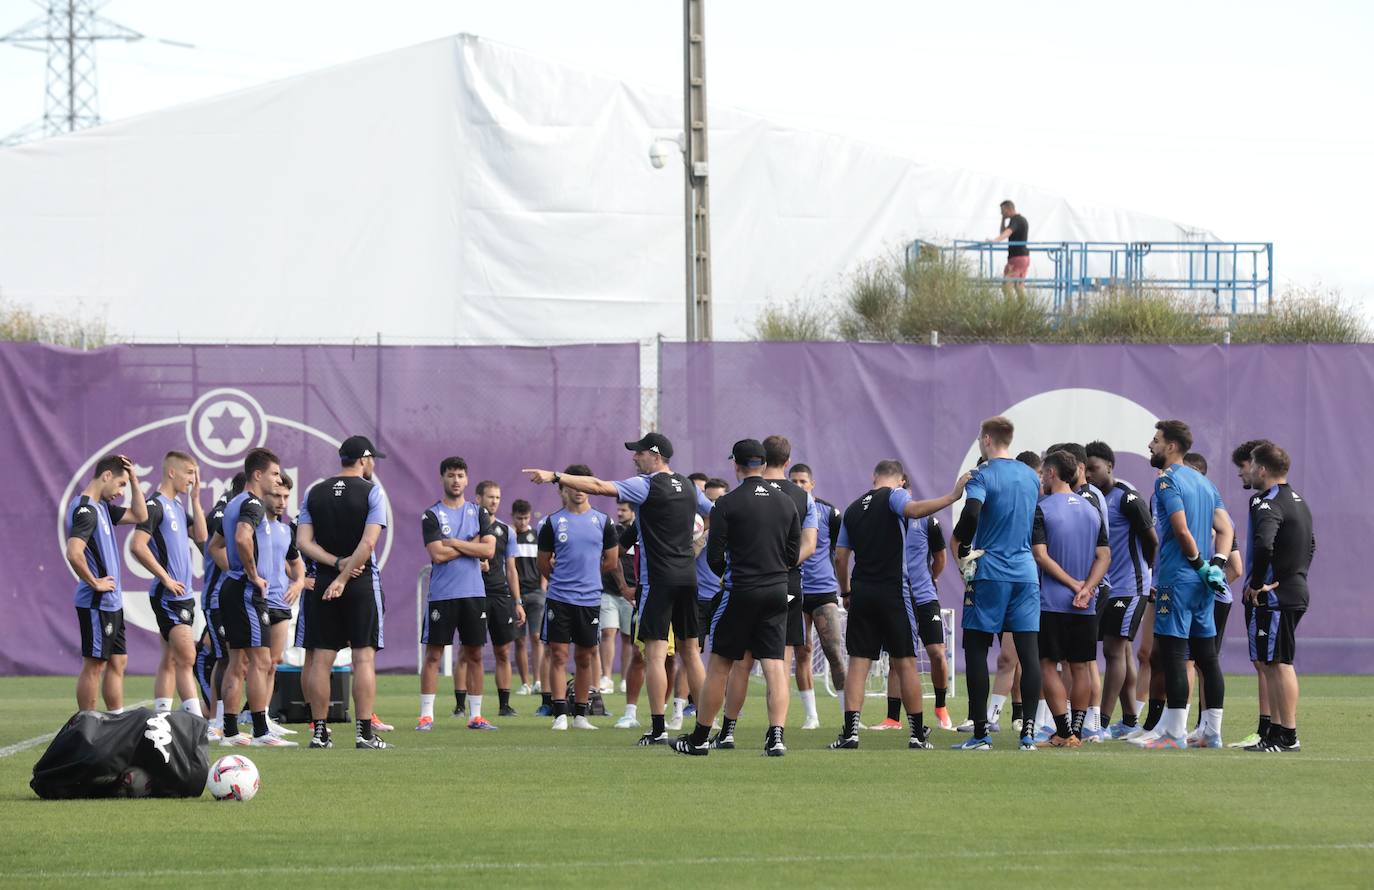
x=91, y=754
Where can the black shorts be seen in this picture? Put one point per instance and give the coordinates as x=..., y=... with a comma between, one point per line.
x=1120, y=616
x=102, y=633
x=467, y=617
x=664, y=606
x=278, y=616
x=173, y=613
x=243, y=614
x=753, y=621
x=796, y=628
x=566, y=623
x=880, y=619
x=352, y=620
x=813, y=601
x=501, y=626
x=1068, y=638
x=930, y=624
x=215, y=623
x=1273, y=634
x=706, y=610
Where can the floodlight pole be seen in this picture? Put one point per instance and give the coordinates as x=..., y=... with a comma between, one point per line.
x=696, y=190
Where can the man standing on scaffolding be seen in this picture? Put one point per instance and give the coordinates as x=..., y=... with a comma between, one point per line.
x=1016, y=231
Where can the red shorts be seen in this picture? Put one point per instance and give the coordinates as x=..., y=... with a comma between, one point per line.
x=1017, y=267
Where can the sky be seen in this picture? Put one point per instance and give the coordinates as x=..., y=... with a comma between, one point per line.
x=1250, y=120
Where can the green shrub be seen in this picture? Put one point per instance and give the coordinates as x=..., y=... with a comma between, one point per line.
x=21, y=324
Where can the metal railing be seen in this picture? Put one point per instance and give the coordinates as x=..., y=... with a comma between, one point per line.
x=1237, y=275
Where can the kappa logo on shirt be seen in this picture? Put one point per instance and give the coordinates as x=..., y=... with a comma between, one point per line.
x=1163, y=485
x=867, y=499
x=760, y=490
x=1265, y=506
x=80, y=510
x=1131, y=497
x=339, y=488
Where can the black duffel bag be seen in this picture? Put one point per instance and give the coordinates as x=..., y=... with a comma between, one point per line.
x=93, y=754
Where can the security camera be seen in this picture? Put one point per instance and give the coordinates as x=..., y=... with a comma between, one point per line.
x=658, y=154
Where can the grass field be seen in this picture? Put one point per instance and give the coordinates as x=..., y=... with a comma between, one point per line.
x=525, y=806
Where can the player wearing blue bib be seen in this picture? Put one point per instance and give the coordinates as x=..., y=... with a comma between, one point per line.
x=94, y=556
x=576, y=546
x=1131, y=535
x=458, y=536
x=1070, y=545
x=1005, y=591
x=250, y=546
x=1187, y=509
x=162, y=545
x=820, y=587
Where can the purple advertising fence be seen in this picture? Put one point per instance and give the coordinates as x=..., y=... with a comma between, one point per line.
x=844, y=406
x=499, y=408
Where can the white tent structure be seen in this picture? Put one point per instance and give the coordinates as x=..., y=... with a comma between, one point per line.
x=463, y=191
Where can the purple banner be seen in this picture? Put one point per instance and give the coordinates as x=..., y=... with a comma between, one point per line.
x=846, y=406
x=500, y=408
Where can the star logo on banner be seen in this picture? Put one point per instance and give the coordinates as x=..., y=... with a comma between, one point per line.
x=226, y=428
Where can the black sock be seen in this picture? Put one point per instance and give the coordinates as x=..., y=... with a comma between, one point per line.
x=656, y=724
x=727, y=725
x=579, y=709
x=259, y=723
x=1264, y=723
x=894, y=709
x=1018, y=711
x=700, y=734
x=689, y=699
x=1289, y=736
x=365, y=728
x=231, y=723
x=1128, y=720
x=1153, y=713
x=460, y=700
x=560, y=707
x=546, y=699
x=917, y=722
x=503, y=697
x=940, y=696
x=1061, y=726
x=774, y=735
x=1077, y=726
x=851, y=723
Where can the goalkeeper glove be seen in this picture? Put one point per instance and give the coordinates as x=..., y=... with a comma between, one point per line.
x=968, y=565
x=1212, y=573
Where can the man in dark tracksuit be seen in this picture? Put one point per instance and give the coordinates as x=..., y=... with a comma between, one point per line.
x=754, y=540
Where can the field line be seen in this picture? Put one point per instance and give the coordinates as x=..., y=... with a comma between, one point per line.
x=25, y=745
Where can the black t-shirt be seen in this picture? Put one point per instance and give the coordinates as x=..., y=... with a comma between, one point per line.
x=339, y=509
x=1282, y=541
x=1020, y=231
x=526, y=544
x=877, y=537
x=494, y=578
x=799, y=498
x=666, y=519
x=755, y=536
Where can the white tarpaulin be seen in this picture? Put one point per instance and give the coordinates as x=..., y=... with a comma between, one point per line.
x=462, y=190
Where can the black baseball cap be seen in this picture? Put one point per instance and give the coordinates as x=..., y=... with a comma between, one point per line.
x=655, y=442
x=356, y=447
x=747, y=451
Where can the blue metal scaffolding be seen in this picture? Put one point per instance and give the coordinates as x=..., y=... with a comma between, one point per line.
x=1237, y=275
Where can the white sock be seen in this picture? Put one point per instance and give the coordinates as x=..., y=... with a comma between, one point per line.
x=474, y=706
x=1094, y=719
x=632, y=711
x=192, y=706
x=678, y=705
x=606, y=681
x=1174, y=722
x=117, y=711
x=1211, y=718
x=840, y=693
x=995, y=703
x=427, y=705
x=219, y=712
x=1043, y=717
x=1141, y=708
x=162, y=705
x=808, y=697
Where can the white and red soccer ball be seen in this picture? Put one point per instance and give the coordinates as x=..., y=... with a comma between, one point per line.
x=234, y=777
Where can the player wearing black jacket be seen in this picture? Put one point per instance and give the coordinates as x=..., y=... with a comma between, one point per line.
x=753, y=542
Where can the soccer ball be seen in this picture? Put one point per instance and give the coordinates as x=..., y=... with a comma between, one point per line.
x=233, y=777
x=135, y=782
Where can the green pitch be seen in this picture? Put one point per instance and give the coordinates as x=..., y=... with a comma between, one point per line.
x=526, y=806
